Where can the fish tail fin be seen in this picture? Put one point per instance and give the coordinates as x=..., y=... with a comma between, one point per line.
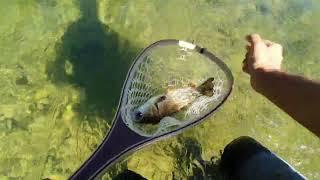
x=206, y=88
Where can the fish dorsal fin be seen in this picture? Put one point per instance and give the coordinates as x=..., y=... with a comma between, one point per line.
x=206, y=88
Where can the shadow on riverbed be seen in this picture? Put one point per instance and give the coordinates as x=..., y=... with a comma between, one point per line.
x=89, y=56
x=190, y=160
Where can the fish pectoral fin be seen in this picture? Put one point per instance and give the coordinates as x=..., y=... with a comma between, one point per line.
x=162, y=98
x=169, y=122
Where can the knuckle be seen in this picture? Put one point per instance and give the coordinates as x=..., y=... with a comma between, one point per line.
x=255, y=37
x=276, y=45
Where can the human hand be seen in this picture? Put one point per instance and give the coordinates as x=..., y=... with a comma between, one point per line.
x=262, y=55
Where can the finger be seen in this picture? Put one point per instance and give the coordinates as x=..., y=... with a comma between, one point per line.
x=278, y=46
x=245, y=66
x=247, y=56
x=254, y=39
x=268, y=42
x=248, y=47
x=244, y=62
x=279, y=49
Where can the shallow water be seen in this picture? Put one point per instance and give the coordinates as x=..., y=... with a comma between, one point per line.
x=62, y=65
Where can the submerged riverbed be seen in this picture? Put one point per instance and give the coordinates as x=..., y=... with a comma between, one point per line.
x=63, y=63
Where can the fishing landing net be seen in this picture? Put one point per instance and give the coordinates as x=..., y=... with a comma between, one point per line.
x=166, y=64
x=173, y=64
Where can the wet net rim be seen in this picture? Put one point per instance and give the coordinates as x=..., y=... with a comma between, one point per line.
x=139, y=59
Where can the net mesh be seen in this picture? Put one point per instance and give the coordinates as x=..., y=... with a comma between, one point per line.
x=171, y=67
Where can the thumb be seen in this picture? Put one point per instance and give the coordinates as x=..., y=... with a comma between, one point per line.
x=254, y=39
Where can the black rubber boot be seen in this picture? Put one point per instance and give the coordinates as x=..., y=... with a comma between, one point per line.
x=245, y=158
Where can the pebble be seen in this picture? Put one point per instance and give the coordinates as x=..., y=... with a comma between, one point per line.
x=22, y=80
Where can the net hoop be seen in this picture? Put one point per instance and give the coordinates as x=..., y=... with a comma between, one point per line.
x=140, y=59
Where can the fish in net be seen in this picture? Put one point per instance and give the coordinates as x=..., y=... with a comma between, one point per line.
x=172, y=67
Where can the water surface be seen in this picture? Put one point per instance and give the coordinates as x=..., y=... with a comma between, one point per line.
x=62, y=65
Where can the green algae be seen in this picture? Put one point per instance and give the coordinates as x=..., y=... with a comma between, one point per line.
x=62, y=65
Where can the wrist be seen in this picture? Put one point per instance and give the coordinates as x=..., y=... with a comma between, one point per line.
x=259, y=78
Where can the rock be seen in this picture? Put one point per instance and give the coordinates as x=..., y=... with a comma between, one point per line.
x=41, y=94
x=9, y=124
x=44, y=101
x=68, y=115
x=22, y=80
x=7, y=111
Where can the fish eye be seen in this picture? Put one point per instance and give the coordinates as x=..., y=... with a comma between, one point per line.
x=138, y=115
x=162, y=98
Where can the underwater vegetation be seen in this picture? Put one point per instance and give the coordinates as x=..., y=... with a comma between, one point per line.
x=63, y=63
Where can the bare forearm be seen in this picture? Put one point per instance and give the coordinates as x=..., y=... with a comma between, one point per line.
x=297, y=96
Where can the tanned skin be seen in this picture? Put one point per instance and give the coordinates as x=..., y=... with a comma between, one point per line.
x=297, y=96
